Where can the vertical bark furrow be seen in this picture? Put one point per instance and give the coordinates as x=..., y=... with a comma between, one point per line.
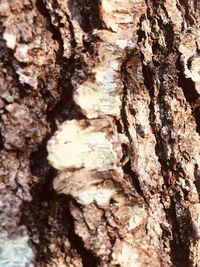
x=163, y=123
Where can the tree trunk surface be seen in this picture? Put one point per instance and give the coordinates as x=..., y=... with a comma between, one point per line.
x=100, y=133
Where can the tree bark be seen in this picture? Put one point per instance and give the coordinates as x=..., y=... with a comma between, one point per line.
x=100, y=124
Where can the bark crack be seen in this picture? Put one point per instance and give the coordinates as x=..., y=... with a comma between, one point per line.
x=34, y=214
x=65, y=108
x=179, y=249
x=126, y=151
x=50, y=27
x=153, y=72
x=9, y=63
x=191, y=95
x=90, y=13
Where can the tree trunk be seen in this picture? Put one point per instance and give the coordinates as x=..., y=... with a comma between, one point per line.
x=100, y=124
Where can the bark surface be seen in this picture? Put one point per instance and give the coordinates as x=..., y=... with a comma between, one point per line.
x=100, y=133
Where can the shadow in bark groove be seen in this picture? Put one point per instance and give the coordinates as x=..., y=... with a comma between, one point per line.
x=191, y=95
x=10, y=63
x=88, y=259
x=158, y=69
x=49, y=221
x=179, y=246
x=65, y=108
x=149, y=77
x=1, y=141
x=188, y=16
x=197, y=179
x=89, y=12
x=50, y=27
x=134, y=179
x=179, y=252
x=47, y=217
x=47, y=205
x=127, y=168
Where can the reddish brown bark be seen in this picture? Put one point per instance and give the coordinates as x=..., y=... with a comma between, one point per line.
x=100, y=133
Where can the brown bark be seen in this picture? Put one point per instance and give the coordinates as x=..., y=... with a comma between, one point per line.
x=100, y=129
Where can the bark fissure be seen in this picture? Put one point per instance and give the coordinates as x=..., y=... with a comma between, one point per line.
x=43, y=193
x=187, y=10
x=9, y=62
x=90, y=13
x=149, y=78
x=65, y=107
x=179, y=248
x=191, y=95
x=88, y=259
x=44, y=197
x=50, y=27
x=127, y=167
x=179, y=245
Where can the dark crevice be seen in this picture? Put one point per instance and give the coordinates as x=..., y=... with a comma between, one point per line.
x=88, y=41
x=141, y=33
x=10, y=63
x=196, y=6
x=197, y=118
x=50, y=27
x=167, y=29
x=180, y=236
x=157, y=70
x=88, y=259
x=134, y=179
x=149, y=77
x=46, y=205
x=190, y=93
x=65, y=108
x=197, y=179
x=124, y=100
x=187, y=85
x=73, y=39
x=179, y=248
x=1, y=141
x=160, y=147
x=35, y=216
x=179, y=244
x=188, y=16
x=119, y=126
x=90, y=14
x=127, y=168
x=38, y=160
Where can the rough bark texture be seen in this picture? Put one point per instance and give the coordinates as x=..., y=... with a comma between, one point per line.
x=100, y=124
